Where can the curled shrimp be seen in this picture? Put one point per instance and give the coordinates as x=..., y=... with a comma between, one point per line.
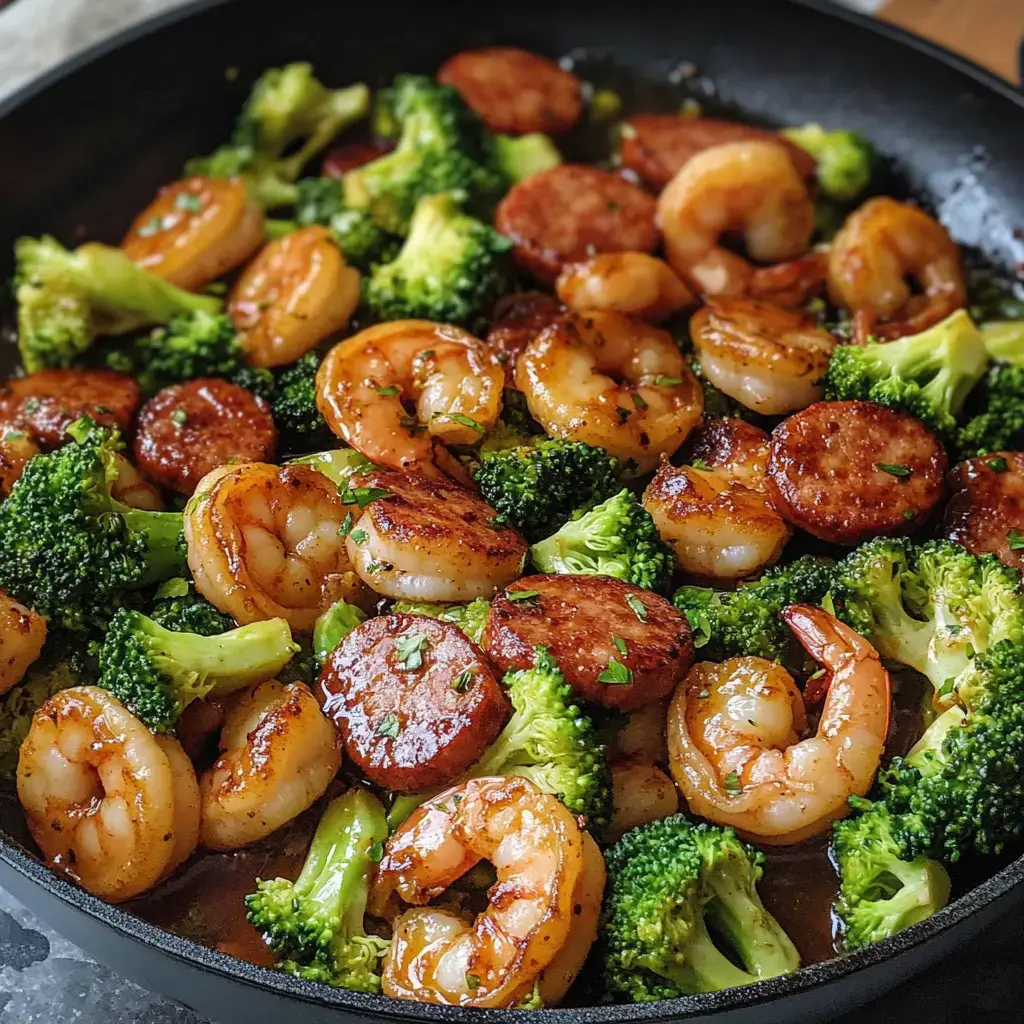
x=131, y=488
x=264, y=542
x=613, y=382
x=399, y=392
x=747, y=187
x=543, y=910
x=196, y=230
x=734, y=735
x=634, y=283
x=771, y=360
x=641, y=793
x=186, y=799
x=278, y=755
x=22, y=635
x=297, y=291
x=17, y=449
x=882, y=246
x=99, y=791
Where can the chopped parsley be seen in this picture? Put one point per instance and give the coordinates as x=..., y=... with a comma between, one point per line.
x=893, y=469
x=389, y=727
x=616, y=674
x=410, y=650
x=637, y=605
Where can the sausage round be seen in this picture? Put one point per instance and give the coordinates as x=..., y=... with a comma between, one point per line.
x=850, y=471
x=515, y=91
x=414, y=700
x=350, y=155
x=518, y=319
x=188, y=429
x=656, y=146
x=585, y=622
x=567, y=213
x=986, y=512
x=49, y=401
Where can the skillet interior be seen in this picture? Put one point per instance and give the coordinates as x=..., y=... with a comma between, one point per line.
x=82, y=155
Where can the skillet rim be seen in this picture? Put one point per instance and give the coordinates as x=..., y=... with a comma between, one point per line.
x=815, y=976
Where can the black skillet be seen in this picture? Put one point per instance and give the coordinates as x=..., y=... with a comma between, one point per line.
x=82, y=148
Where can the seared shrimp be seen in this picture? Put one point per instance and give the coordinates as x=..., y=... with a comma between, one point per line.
x=279, y=754
x=771, y=360
x=98, y=793
x=297, y=291
x=17, y=449
x=624, y=282
x=196, y=230
x=187, y=803
x=734, y=735
x=747, y=187
x=545, y=902
x=368, y=386
x=612, y=382
x=264, y=542
x=22, y=635
x=131, y=488
x=882, y=246
x=641, y=793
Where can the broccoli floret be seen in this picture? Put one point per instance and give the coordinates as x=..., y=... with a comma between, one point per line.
x=519, y=156
x=538, y=486
x=315, y=925
x=333, y=626
x=337, y=465
x=451, y=268
x=66, y=299
x=470, y=618
x=156, y=672
x=180, y=607
x=68, y=549
x=667, y=882
x=999, y=426
x=928, y=375
x=294, y=402
x=1004, y=340
x=287, y=119
x=746, y=621
x=846, y=159
x=616, y=538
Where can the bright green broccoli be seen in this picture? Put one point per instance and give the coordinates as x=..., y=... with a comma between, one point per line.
x=66, y=299
x=616, y=538
x=294, y=403
x=1004, y=340
x=287, y=119
x=998, y=426
x=519, y=156
x=157, y=672
x=928, y=375
x=180, y=607
x=68, y=549
x=673, y=884
x=470, y=618
x=315, y=925
x=846, y=159
x=333, y=626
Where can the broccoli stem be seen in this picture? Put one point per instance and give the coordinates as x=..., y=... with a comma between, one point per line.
x=162, y=533
x=707, y=969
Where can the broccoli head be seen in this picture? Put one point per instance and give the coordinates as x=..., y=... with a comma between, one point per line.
x=294, y=402
x=999, y=423
x=845, y=159
x=315, y=925
x=667, y=882
x=470, y=618
x=178, y=606
x=519, y=156
x=333, y=626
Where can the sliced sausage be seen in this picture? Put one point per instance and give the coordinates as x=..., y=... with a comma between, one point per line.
x=188, y=429
x=350, y=155
x=518, y=319
x=48, y=402
x=617, y=645
x=515, y=91
x=850, y=471
x=655, y=146
x=986, y=511
x=414, y=700
x=570, y=212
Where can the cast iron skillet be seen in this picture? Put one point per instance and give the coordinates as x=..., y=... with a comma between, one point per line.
x=83, y=148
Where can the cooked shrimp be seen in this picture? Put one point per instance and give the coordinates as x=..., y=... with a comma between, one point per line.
x=98, y=792
x=264, y=542
x=17, y=449
x=612, y=382
x=642, y=735
x=771, y=360
x=279, y=754
x=545, y=902
x=882, y=246
x=22, y=635
x=748, y=187
x=187, y=804
x=369, y=385
x=297, y=291
x=131, y=488
x=734, y=735
x=641, y=793
x=196, y=230
x=624, y=282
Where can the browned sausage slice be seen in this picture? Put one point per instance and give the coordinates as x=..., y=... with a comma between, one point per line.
x=515, y=91
x=188, y=429
x=655, y=146
x=567, y=213
x=413, y=699
x=518, y=319
x=48, y=402
x=617, y=645
x=850, y=471
x=350, y=155
x=986, y=512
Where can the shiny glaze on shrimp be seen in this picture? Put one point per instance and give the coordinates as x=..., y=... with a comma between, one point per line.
x=22, y=635
x=131, y=488
x=278, y=755
x=264, y=542
x=882, y=247
x=367, y=385
x=613, y=382
x=734, y=735
x=545, y=902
